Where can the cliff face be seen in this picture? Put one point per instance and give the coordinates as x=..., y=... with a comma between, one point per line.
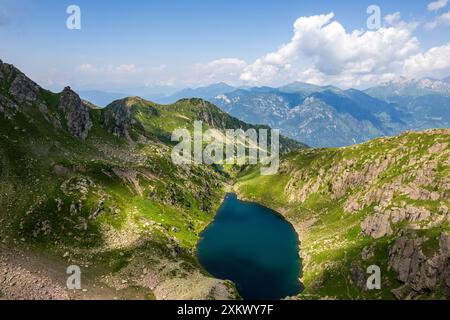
x=417, y=271
x=77, y=113
x=385, y=202
x=17, y=84
x=19, y=93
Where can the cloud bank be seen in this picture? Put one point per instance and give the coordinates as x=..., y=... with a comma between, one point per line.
x=321, y=50
x=437, y=5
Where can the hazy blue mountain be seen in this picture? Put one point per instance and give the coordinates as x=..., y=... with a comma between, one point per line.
x=259, y=105
x=103, y=97
x=207, y=92
x=320, y=116
x=426, y=101
x=410, y=88
x=305, y=88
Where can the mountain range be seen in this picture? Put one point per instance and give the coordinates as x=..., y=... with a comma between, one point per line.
x=326, y=116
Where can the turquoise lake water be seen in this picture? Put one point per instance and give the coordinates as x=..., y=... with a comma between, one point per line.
x=254, y=247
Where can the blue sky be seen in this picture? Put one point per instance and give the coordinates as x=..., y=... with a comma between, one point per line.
x=194, y=42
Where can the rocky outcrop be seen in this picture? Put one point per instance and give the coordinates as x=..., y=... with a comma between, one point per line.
x=381, y=223
x=204, y=114
x=358, y=276
x=77, y=114
x=24, y=90
x=418, y=272
x=361, y=181
x=20, y=91
x=8, y=107
x=377, y=225
x=18, y=85
x=118, y=117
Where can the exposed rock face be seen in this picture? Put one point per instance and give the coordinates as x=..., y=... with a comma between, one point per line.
x=20, y=91
x=7, y=106
x=19, y=86
x=418, y=272
x=24, y=90
x=118, y=118
x=358, y=276
x=205, y=115
x=76, y=112
x=381, y=223
x=377, y=225
x=364, y=177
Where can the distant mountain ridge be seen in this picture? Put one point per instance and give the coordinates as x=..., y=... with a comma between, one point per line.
x=321, y=116
x=410, y=88
x=207, y=92
x=327, y=116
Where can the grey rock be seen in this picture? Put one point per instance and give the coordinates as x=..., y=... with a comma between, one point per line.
x=417, y=271
x=22, y=89
x=118, y=119
x=7, y=106
x=368, y=253
x=377, y=225
x=77, y=114
x=358, y=276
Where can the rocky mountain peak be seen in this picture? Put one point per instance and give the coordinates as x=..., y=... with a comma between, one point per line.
x=77, y=113
x=118, y=116
x=21, y=88
x=68, y=89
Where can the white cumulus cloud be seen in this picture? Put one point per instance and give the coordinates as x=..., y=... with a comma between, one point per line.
x=325, y=50
x=432, y=63
x=437, y=5
x=442, y=20
x=220, y=70
x=393, y=19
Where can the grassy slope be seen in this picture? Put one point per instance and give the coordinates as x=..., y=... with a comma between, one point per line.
x=102, y=201
x=117, y=205
x=331, y=238
x=162, y=120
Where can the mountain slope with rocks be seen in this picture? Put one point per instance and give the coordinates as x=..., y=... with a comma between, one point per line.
x=97, y=188
x=385, y=203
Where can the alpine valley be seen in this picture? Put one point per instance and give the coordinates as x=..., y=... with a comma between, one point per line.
x=96, y=188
